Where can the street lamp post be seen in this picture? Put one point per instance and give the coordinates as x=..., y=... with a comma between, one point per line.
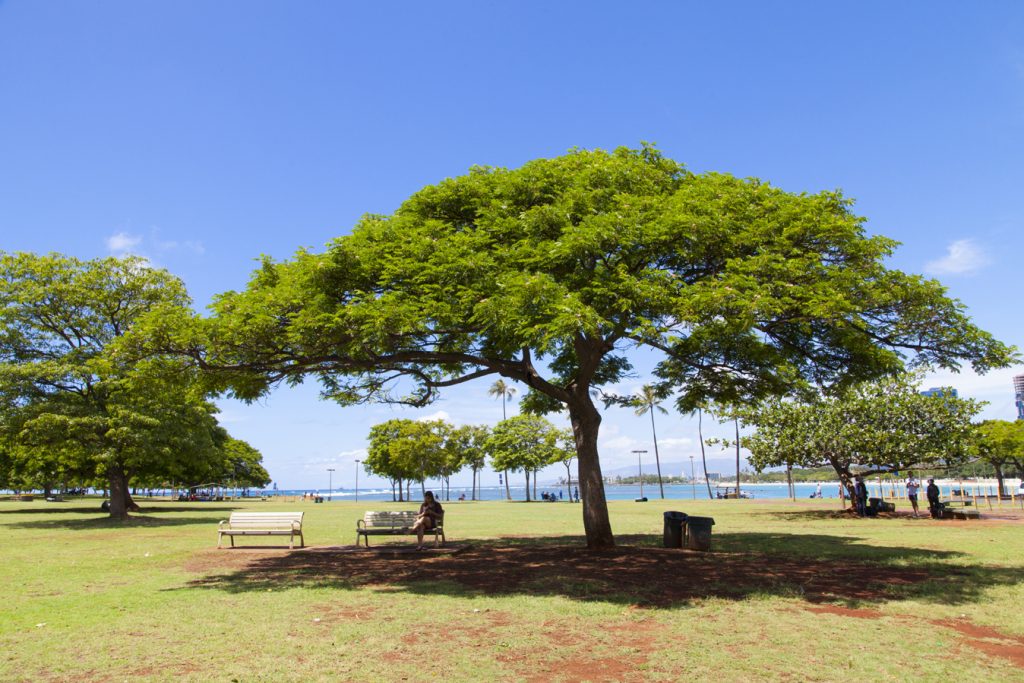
x=357, y=479
x=640, y=469
x=330, y=481
x=693, y=480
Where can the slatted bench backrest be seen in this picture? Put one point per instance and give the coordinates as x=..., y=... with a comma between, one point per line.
x=265, y=520
x=394, y=519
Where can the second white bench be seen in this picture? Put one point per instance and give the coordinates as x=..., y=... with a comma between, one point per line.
x=395, y=523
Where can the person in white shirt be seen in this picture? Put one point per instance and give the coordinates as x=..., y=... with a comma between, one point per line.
x=913, y=486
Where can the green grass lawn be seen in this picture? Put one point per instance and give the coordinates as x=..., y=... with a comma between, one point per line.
x=789, y=591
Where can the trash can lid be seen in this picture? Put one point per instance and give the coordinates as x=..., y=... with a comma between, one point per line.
x=710, y=521
x=675, y=514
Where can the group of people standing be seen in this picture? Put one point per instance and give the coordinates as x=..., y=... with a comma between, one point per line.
x=913, y=485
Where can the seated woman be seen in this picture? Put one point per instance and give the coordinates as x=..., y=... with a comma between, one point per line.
x=430, y=512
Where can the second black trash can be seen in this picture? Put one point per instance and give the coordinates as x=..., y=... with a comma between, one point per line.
x=698, y=532
x=674, y=524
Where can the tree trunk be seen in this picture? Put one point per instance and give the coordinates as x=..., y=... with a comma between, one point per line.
x=845, y=480
x=401, y=490
x=586, y=421
x=703, y=454
x=657, y=459
x=508, y=491
x=526, y=471
x=121, y=502
x=789, y=481
x=999, y=479
x=535, y=484
x=737, y=422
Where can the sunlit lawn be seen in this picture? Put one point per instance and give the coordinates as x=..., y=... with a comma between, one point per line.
x=837, y=599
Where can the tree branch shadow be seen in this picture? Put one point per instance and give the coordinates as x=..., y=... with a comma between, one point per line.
x=639, y=573
x=147, y=517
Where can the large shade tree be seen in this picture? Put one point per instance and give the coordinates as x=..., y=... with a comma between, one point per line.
x=1001, y=445
x=552, y=273
x=877, y=427
x=69, y=399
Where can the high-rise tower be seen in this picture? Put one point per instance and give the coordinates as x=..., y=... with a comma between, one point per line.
x=1018, y=391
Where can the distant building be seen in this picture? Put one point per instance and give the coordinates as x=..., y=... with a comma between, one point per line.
x=942, y=391
x=1018, y=392
x=713, y=476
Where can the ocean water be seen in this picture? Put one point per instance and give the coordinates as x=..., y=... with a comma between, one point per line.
x=612, y=492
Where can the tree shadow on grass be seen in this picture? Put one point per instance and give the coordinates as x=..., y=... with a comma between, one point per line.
x=637, y=572
x=147, y=517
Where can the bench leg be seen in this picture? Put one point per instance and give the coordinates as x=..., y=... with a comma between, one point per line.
x=220, y=537
x=232, y=537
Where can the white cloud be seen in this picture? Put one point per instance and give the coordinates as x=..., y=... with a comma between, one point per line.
x=121, y=243
x=124, y=243
x=996, y=388
x=439, y=415
x=356, y=454
x=672, y=443
x=963, y=257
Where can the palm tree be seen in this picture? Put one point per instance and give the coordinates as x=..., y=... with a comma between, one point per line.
x=646, y=401
x=703, y=455
x=503, y=392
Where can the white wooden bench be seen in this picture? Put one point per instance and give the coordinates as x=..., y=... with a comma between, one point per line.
x=262, y=524
x=396, y=523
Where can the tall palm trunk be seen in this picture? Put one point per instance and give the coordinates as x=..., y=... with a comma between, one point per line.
x=737, y=423
x=657, y=460
x=703, y=455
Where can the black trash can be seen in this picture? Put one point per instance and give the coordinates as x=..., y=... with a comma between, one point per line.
x=675, y=524
x=698, y=533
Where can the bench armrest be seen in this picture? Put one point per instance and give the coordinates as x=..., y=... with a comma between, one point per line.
x=222, y=523
x=360, y=524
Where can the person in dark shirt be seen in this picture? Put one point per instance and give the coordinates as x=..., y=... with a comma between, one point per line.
x=932, y=492
x=860, y=491
x=430, y=512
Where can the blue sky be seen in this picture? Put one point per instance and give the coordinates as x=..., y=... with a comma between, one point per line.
x=201, y=135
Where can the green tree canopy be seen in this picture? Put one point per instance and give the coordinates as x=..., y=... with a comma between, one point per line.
x=403, y=450
x=875, y=427
x=550, y=274
x=68, y=402
x=524, y=443
x=1001, y=444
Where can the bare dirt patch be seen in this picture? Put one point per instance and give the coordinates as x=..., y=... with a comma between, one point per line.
x=988, y=640
x=847, y=612
x=982, y=638
x=598, y=670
